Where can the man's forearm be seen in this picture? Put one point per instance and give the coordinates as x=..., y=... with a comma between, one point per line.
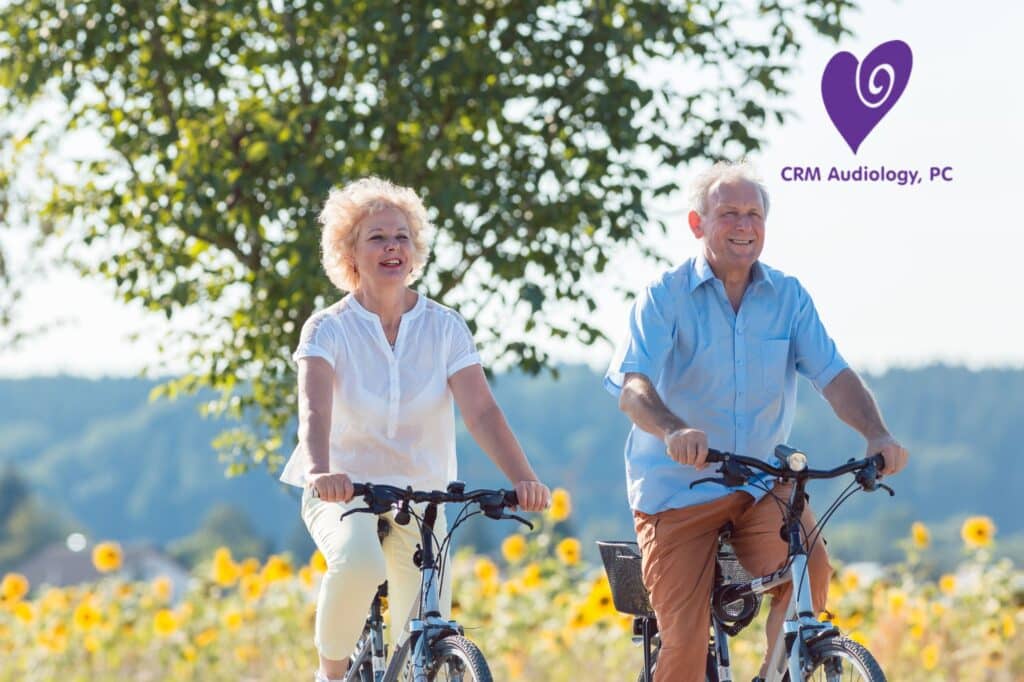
x=853, y=403
x=642, y=404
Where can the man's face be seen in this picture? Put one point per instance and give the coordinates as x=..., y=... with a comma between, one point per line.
x=733, y=228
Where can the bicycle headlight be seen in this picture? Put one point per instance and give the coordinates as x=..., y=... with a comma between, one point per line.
x=797, y=461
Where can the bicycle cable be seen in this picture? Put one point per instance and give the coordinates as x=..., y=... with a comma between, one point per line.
x=819, y=526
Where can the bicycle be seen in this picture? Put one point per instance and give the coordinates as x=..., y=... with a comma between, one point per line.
x=436, y=649
x=808, y=648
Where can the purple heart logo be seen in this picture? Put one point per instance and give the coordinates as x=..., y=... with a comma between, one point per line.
x=858, y=95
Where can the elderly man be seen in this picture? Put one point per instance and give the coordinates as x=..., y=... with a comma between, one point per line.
x=711, y=359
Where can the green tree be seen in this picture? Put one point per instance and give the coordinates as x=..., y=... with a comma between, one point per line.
x=530, y=127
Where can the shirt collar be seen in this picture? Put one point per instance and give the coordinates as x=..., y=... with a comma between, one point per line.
x=702, y=272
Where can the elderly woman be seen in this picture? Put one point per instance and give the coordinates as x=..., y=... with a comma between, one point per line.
x=378, y=372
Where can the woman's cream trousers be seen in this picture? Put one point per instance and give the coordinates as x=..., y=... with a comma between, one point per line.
x=357, y=562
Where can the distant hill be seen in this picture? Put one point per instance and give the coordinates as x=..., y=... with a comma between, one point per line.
x=134, y=470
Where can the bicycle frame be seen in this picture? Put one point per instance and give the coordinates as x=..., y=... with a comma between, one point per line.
x=800, y=625
x=423, y=630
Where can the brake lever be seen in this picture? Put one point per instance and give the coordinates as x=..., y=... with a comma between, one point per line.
x=520, y=519
x=892, y=493
x=710, y=479
x=350, y=512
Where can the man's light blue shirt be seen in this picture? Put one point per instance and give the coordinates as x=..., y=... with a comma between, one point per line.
x=729, y=374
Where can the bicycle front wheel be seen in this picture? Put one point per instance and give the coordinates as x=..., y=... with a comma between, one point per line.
x=453, y=659
x=838, y=659
x=456, y=659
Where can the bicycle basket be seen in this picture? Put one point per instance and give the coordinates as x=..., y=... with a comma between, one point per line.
x=622, y=564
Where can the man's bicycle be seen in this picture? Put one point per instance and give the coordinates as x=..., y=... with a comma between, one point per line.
x=808, y=648
x=436, y=649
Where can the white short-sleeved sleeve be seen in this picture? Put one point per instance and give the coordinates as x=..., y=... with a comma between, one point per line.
x=319, y=339
x=462, y=352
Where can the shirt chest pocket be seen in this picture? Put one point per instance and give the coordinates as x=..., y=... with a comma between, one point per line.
x=774, y=357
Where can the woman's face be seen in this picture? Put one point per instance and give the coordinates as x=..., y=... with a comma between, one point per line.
x=384, y=251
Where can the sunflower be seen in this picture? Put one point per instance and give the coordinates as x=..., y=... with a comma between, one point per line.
x=232, y=620
x=165, y=622
x=485, y=570
x=600, y=597
x=24, y=612
x=930, y=657
x=86, y=616
x=251, y=587
x=277, y=568
x=531, y=577
x=513, y=548
x=947, y=584
x=162, y=588
x=206, y=637
x=568, y=551
x=561, y=505
x=224, y=570
x=107, y=557
x=920, y=535
x=317, y=562
x=977, y=532
x=13, y=587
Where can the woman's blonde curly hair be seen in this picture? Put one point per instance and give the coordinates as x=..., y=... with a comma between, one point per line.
x=347, y=206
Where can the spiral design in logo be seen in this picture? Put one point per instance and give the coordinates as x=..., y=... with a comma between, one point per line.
x=875, y=82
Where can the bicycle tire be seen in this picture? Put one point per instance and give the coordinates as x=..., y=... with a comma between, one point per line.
x=857, y=663
x=456, y=659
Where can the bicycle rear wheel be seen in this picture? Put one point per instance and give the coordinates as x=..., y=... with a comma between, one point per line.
x=838, y=659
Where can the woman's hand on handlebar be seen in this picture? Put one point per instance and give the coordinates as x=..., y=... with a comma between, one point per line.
x=331, y=487
x=895, y=455
x=533, y=496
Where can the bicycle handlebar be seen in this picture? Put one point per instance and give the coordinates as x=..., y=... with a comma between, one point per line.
x=380, y=498
x=456, y=493
x=735, y=469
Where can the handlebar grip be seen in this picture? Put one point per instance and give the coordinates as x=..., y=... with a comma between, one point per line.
x=878, y=460
x=715, y=456
x=358, y=490
x=511, y=498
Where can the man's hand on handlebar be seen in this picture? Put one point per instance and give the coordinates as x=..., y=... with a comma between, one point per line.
x=331, y=487
x=688, y=446
x=533, y=496
x=895, y=455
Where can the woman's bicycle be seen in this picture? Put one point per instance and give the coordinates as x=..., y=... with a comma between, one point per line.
x=808, y=648
x=436, y=648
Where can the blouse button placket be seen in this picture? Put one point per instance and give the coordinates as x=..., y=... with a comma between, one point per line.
x=394, y=393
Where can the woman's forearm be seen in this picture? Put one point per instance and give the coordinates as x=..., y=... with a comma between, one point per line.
x=491, y=432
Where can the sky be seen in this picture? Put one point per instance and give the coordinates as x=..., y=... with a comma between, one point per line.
x=902, y=276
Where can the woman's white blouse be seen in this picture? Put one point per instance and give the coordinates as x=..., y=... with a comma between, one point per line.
x=392, y=416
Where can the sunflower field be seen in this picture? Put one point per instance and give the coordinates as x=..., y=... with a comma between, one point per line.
x=539, y=612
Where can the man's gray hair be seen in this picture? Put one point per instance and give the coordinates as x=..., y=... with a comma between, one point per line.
x=724, y=171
